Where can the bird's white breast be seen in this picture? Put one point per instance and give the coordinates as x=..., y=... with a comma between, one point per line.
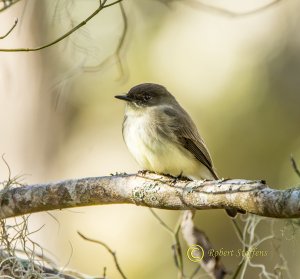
x=136, y=133
x=154, y=151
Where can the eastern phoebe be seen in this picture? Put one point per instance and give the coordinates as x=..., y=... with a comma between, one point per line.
x=162, y=137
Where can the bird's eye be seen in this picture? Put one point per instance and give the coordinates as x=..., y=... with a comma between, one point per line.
x=147, y=97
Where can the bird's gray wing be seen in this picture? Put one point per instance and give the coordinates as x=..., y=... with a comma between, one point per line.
x=188, y=136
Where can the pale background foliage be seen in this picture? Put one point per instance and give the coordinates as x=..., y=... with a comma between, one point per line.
x=238, y=78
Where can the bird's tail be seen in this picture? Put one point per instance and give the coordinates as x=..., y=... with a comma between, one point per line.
x=231, y=212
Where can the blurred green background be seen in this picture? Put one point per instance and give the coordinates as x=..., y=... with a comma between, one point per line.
x=238, y=77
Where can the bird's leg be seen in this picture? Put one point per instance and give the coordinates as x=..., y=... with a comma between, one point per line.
x=179, y=177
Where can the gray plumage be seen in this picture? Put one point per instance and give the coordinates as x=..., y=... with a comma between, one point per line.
x=162, y=137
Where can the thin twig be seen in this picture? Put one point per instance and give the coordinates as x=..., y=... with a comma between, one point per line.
x=108, y=249
x=117, y=52
x=67, y=34
x=237, y=271
x=8, y=167
x=161, y=221
x=122, y=38
x=10, y=30
x=104, y=272
x=176, y=246
x=113, y=3
x=226, y=12
x=195, y=272
x=237, y=229
x=240, y=236
x=294, y=165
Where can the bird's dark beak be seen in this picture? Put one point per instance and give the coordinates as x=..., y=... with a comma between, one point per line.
x=124, y=98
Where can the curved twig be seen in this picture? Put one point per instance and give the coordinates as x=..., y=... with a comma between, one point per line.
x=226, y=12
x=10, y=30
x=109, y=250
x=295, y=167
x=102, y=5
x=117, y=53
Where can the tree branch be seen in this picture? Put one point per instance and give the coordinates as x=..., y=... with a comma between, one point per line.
x=152, y=190
x=195, y=239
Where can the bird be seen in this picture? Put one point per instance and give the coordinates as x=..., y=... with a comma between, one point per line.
x=162, y=137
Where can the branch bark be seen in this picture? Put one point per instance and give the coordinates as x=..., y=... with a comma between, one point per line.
x=152, y=190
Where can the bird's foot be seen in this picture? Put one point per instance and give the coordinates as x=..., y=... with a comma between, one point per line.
x=224, y=179
x=118, y=173
x=144, y=172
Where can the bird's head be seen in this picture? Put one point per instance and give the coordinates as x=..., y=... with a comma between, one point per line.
x=147, y=95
